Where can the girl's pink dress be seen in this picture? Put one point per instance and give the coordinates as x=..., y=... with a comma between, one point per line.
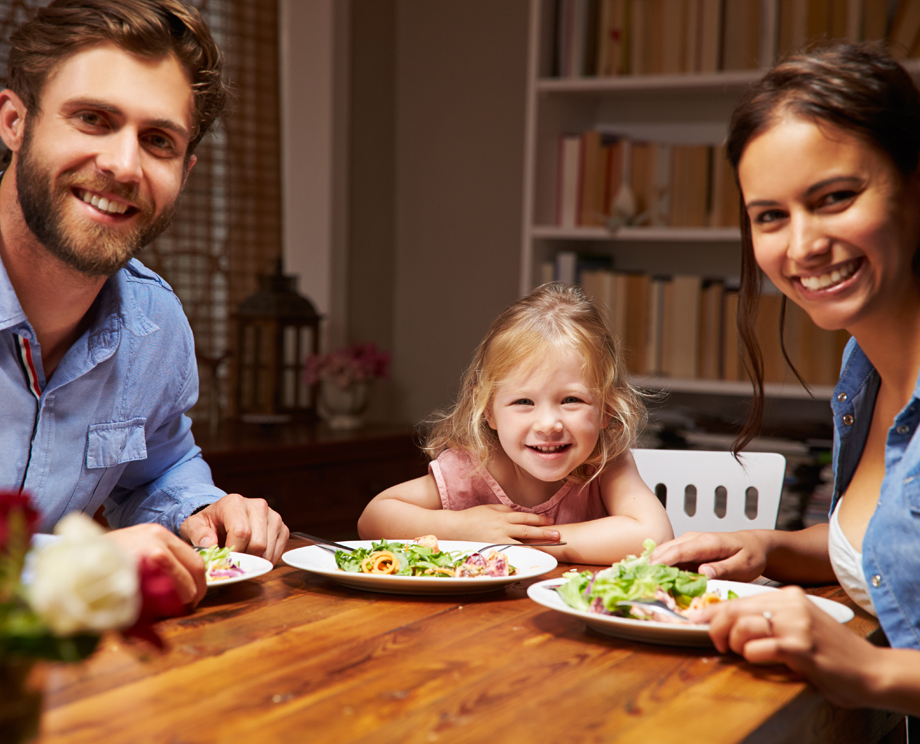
x=461, y=485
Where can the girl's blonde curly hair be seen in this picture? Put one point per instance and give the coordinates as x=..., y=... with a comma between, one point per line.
x=554, y=317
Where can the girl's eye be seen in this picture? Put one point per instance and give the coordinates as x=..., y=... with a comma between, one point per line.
x=523, y=402
x=571, y=399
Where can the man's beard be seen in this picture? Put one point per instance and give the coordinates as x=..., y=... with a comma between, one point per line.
x=92, y=249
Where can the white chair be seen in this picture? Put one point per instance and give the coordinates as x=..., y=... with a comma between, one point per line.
x=707, y=491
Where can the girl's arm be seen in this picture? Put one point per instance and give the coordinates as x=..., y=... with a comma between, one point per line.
x=635, y=515
x=413, y=509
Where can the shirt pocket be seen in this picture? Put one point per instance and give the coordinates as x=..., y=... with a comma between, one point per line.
x=108, y=445
x=912, y=492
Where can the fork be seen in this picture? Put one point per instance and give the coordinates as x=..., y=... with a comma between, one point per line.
x=501, y=546
x=653, y=605
x=323, y=543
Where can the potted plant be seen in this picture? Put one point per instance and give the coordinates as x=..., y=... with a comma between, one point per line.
x=344, y=377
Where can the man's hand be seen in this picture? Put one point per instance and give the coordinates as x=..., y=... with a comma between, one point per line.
x=243, y=525
x=166, y=551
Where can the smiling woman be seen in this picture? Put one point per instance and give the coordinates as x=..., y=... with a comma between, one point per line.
x=228, y=228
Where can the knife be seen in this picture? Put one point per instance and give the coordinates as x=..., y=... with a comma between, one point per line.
x=322, y=542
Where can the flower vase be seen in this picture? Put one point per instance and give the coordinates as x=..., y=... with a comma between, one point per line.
x=21, y=687
x=343, y=407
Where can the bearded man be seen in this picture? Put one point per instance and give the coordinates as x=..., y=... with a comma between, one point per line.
x=105, y=105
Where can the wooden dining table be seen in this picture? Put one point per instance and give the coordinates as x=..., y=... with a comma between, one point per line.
x=294, y=657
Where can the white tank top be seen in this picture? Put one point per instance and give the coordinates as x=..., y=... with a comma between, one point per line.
x=847, y=564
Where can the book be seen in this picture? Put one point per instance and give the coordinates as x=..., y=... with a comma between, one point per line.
x=592, y=206
x=642, y=179
x=741, y=39
x=691, y=39
x=672, y=28
x=566, y=264
x=636, y=321
x=725, y=209
x=905, y=27
x=653, y=347
x=680, y=327
x=792, y=30
x=709, y=359
x=568, y=180
x=689, y=185
x=874, y=20
x=732, y=367
x=638, y=12
x=710, y=49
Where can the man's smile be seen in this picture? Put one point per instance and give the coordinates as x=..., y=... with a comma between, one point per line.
x=103, y=204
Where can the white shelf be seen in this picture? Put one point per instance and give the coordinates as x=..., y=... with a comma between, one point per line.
x=737, y=389
x=639, y=234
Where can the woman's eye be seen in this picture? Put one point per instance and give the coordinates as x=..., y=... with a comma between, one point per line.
x=768, y=217
x=837, y=198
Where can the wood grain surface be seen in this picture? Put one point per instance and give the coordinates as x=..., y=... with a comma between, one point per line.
x=292, y=657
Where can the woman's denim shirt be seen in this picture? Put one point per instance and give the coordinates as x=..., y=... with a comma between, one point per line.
x=891, y=546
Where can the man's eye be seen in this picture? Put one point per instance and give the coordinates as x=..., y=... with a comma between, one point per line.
x=91, y=119
x=161, y=143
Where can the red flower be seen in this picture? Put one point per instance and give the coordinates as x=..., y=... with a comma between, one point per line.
x=16, y=505
x=159, y=599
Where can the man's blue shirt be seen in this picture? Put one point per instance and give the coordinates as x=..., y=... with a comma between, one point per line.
x=110, y=424
x=891, y=545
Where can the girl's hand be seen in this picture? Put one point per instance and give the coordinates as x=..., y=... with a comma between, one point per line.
x=499, y=523
x=739, y=556
x=800, y=635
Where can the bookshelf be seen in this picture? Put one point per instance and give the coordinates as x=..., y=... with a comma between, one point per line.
x=684, y=99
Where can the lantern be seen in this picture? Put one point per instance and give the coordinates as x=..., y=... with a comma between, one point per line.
x=276, y=328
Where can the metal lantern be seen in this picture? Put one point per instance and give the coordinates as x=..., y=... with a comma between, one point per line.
x=276, y=328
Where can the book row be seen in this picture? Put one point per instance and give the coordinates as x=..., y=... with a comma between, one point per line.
x=638, y=37
x=685, y=326
x=609, y=180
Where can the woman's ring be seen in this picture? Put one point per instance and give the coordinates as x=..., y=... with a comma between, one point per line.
x=768, y=616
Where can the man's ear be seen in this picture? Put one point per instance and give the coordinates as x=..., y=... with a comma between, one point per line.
x=192, y=159
x=12, y=119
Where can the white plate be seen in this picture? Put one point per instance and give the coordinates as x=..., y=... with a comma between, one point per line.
x=529, y=562
x=544, y=593
x=252, y=566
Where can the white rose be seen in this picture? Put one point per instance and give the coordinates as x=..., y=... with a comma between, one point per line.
x=84, y=582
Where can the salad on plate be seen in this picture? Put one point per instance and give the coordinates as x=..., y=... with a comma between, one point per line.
x=635, y=578
x=422, y=557
x=220, y=564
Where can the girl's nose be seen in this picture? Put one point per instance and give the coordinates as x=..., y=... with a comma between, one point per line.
x=549, y=422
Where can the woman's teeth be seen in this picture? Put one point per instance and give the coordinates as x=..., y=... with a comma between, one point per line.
x=103, y=204
x=830, y=279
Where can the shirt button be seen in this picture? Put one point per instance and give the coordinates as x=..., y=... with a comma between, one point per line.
x=841, y=397
x=903, y=429
x=848, y=420
x=876, y=581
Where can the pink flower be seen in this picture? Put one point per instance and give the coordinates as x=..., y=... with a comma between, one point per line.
x=16, y=512
x=159, y=599
x=355, y=363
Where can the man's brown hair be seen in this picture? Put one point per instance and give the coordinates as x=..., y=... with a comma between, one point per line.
x=148, y=28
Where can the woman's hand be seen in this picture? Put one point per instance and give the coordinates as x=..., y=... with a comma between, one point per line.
x=739, y=556
x=500, y=523
x=800, y=635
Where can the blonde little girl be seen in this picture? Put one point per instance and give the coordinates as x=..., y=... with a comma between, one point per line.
x=537, y=446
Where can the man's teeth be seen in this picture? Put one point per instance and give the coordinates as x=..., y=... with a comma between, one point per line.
x=549, y=448
x=828, y=280
x=103, y=204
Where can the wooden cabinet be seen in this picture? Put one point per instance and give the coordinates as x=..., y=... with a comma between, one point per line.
x=317, y=479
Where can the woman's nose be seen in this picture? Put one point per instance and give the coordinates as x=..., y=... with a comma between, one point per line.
x=808, y=238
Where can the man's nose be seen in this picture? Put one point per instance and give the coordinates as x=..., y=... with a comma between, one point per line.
x=120, y=156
